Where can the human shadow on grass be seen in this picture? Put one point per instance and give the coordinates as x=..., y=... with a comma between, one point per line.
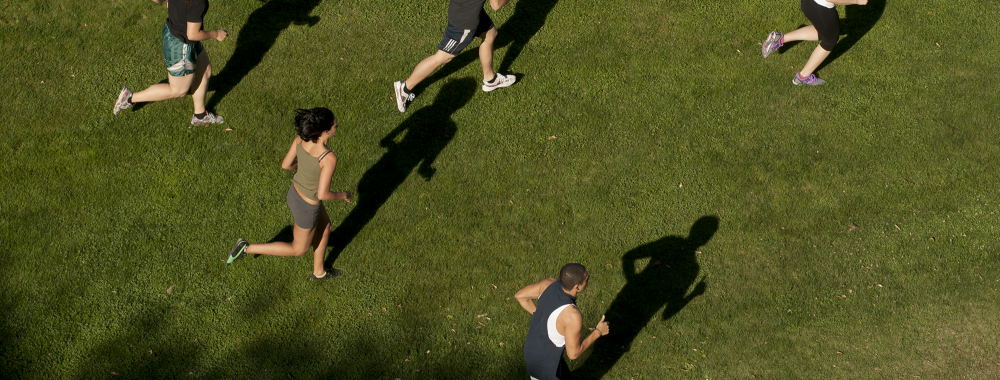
x=527, y=20
x=672, y=270
x=525, y=23
x=255, y=38
x=427, y=132
x=285, y=235
x=858, y=21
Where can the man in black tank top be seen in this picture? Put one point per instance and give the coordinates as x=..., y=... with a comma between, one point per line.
x=556, y=323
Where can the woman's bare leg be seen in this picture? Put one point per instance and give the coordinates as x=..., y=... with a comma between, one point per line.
x=174, y=88
x=805, y=33
x=817, y=57
x=200, y=84
x=300, y=244
x=319, y=243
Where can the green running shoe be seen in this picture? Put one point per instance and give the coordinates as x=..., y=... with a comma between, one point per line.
x=238, y=251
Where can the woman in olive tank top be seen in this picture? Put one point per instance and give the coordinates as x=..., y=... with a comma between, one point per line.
x=314, y=165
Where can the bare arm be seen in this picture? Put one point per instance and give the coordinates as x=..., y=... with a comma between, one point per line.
x=528, y=294
x=290, y=162
x=569, y=324
x=327, y=167
x=497, y=4
x=194, y=33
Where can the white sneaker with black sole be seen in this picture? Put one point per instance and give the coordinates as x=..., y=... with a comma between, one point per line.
x=498, y=82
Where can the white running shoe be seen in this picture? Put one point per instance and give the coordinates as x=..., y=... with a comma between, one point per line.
x=124, y=100
x=500, y=81
x=210, y=118
x=402, y=98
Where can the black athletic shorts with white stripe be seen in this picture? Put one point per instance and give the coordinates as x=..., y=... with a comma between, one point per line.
x=456, y=39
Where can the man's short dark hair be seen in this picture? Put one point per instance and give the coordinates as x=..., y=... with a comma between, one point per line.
x=572, y=275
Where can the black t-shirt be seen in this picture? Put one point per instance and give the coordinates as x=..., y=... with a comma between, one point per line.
x=181, y=12
x=465, y=13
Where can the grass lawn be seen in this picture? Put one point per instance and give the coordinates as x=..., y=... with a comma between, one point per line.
x=734, y=225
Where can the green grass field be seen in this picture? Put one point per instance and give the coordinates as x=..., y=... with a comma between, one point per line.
x=847, y=231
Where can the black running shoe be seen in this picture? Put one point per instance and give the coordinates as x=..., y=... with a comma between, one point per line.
x=330, y=273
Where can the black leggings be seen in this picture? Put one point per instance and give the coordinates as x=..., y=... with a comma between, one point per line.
x=826, y=21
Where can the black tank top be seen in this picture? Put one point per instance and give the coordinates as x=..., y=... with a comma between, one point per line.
x=541, y=355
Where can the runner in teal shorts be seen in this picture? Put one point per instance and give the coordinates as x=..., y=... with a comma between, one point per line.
x=186, y=61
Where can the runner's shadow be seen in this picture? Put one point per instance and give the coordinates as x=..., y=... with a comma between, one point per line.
x=860, y=19
x=427, y=132
x=285, y=235
x=525, y=23
x=255, y=38
x=672, y=269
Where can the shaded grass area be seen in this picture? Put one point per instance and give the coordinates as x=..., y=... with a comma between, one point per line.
x=856, y=222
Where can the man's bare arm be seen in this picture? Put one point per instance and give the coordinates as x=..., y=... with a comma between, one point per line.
x=571, y=322
x=528, y=294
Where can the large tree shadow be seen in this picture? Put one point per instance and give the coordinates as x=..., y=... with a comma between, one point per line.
x=255, y=39
x=672, y=269
x=12, y=360
x=528, y=18
x=427, y=132
x=858, y=21
x=154, y=344
x=143, y=349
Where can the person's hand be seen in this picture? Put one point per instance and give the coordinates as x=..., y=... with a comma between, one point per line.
x=347, y=195
x=602, y=326
x=159, y=1
x=861, y=2
x=221, y=34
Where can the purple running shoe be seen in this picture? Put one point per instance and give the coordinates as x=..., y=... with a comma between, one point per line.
x=810, y=80
x=771, y=44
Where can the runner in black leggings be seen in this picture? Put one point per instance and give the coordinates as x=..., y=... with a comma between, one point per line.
x=825, y=29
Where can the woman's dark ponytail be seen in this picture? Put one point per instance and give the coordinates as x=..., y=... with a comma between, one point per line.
x=311, y=123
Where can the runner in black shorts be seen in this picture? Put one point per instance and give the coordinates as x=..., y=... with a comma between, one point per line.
x=466, y=19
x=825, y=29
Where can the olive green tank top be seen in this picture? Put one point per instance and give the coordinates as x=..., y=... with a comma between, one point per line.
x=307, y=176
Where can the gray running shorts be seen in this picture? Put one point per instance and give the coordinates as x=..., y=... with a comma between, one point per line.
x=305, y=214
